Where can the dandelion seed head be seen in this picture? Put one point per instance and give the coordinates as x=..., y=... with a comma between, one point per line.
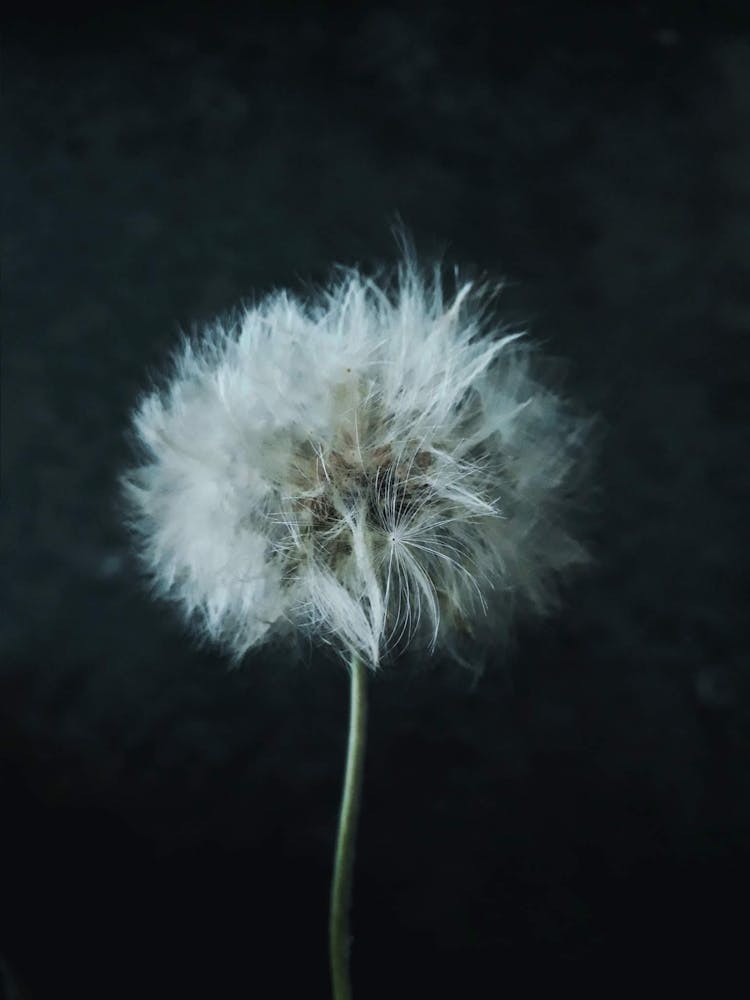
x=375, y=465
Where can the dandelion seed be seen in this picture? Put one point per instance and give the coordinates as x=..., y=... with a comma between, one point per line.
x=319, y=465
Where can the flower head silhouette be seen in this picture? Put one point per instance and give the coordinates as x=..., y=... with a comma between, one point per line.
x=372, y=465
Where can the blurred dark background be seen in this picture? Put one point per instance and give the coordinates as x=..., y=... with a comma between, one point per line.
x=579, y=817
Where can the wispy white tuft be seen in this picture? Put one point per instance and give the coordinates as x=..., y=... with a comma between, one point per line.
x=373, y=465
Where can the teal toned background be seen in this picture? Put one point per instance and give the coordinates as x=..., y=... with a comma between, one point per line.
x=581, y=815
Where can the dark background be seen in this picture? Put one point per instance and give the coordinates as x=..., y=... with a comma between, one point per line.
x=581, y=816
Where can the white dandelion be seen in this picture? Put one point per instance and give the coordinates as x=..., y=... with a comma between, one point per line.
x=372, y=466
x=376, y=466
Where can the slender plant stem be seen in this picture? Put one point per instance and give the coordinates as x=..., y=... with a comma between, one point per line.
x=341, y=885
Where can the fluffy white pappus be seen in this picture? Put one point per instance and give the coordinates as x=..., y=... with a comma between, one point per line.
x=372, y=466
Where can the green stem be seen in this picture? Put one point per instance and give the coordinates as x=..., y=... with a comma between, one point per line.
x=341, y=886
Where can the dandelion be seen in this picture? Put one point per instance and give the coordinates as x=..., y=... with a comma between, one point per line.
x=377, y=467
